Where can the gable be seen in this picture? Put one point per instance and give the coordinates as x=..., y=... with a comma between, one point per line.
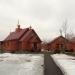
x=34, y=39
x=30, y=35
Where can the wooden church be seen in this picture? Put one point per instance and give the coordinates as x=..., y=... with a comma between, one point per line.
x=22, y=40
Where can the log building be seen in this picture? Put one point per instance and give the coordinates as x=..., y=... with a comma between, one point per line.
x=61, y=44
x=22, y=40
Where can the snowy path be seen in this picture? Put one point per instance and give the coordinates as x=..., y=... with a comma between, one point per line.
x=21, y=64
x=50, y=67
x=65, y=62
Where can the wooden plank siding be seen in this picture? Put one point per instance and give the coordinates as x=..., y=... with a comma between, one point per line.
x=22, y=40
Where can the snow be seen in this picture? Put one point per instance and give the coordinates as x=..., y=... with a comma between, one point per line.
x=21, y=64
x=65, y=62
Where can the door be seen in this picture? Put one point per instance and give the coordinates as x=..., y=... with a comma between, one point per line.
x=34, y=48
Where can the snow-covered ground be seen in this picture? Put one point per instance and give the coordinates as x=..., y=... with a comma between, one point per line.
x=21, y=64
x=65, y=62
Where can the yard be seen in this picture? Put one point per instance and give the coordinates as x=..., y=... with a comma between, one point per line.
x=21, y=64
x=33, y=64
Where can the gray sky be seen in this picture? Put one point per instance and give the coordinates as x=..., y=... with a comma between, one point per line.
x=45, y=16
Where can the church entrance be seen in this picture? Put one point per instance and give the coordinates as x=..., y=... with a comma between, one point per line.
x=34, y=47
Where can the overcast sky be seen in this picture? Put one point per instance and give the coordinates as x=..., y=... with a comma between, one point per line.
x=45, y=16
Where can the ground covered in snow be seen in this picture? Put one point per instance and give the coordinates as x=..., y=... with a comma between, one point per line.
x=65, y=62
x=21, y=64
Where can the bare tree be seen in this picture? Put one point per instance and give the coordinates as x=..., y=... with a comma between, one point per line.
x=67, y=31
x=63, y=30
x=60, y=32
x=70, y=34
x=64, y=27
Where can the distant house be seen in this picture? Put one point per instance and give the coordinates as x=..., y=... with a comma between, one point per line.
x=22, y=40
x=61, y=44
